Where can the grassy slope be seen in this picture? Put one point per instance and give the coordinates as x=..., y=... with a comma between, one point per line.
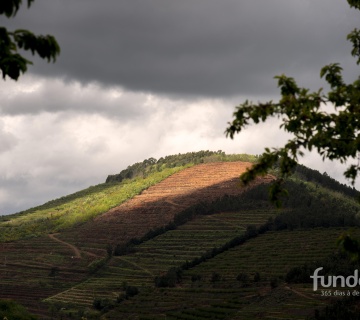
x=78, y=208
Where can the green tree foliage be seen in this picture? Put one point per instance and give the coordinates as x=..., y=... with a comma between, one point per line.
x=13, y=310
x=12, y=63
x=215, y=277
x=54, y=272
x=131, y=291
x=170, y=279
x=244, y=279
x=343, y=309
x=103, y=304
x=257, y=277
x=350, y=245
x=334, y=135
x=339, y=263
x=325, y=180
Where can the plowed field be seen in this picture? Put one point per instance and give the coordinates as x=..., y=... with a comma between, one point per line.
x=157, y=205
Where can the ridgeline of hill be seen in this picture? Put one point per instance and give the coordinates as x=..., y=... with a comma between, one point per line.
x=77, y=208
x=177, y=238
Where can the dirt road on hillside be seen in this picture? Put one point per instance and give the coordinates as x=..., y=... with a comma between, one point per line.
x=77, y=253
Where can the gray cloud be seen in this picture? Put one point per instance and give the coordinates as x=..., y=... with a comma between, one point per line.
x=7, y=140
x=33, y=95
x=201, y=47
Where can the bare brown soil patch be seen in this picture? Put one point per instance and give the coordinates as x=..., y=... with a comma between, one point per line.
x=157, y=205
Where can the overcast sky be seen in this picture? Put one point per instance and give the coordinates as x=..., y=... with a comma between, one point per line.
x=149, y=78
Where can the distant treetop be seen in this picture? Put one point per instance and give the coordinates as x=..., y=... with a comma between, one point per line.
x=148, y=166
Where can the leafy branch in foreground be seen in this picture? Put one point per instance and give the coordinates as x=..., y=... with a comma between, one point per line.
x=334, y=135
x=12, y=63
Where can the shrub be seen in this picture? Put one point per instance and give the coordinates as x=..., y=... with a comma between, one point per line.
x=215, y=277
x=274, y=283
x=244, y=279
x=96, y=265
x=13, y=310
x=196, y=277
x=170, y=279
x=123, y=249
x=103, y=304
x=131, y=291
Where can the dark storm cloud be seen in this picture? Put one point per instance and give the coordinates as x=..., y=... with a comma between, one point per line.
x=201, y=47
x=33, y=95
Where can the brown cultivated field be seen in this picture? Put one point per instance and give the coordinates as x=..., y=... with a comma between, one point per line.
x=157, y=205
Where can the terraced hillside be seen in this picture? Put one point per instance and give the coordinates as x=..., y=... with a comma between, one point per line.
x=224, y=259
x=202, y=295
x=155, y=257
x=59, y=261
x=158, y=204
x=33, y=269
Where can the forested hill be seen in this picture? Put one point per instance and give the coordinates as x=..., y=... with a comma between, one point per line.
x=323, y=179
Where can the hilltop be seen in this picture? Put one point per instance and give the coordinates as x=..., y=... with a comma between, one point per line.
x=79, y=207
x=176, y=238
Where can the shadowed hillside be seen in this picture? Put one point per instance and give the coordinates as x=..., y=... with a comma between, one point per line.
x=157, y=205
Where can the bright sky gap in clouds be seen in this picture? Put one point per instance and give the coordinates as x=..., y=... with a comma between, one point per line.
x=139, y=79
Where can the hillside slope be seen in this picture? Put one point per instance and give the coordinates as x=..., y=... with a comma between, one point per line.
x=219, y=249
x=158, y=204
x=53, y=266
